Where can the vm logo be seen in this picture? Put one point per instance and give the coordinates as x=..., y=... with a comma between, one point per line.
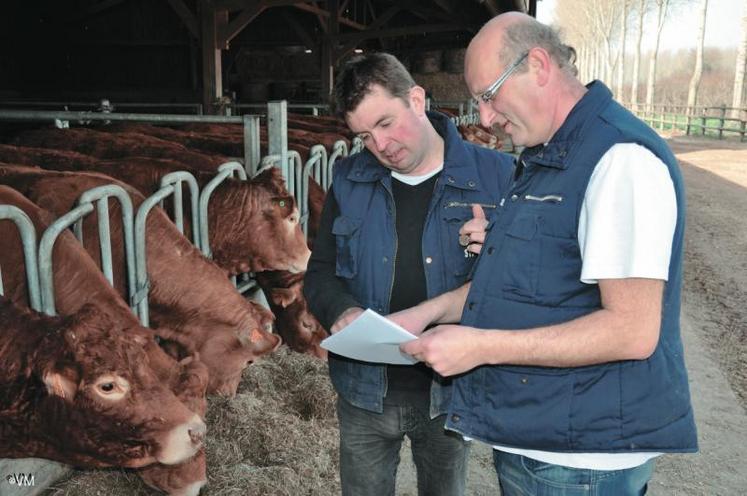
x=20, y=479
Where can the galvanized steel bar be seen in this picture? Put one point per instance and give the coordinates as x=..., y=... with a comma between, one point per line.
x=140, y=299
x=176, y=179
x=277, y=133
x=28, y=240
x=47, y=115
x=251, y=143
x=46, y=278
x=295, y=168
x=224, y=171
x=101, y=195
x=317, y=162
x=339, y=149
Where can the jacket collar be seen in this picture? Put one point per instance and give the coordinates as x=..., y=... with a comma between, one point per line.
x=460, y=169
x=559, y=151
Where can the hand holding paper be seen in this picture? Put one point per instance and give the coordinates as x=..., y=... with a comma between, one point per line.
x=371, y=338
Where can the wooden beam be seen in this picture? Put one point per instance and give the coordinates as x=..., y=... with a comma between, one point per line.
x=403, y=31
x=186, y=15
x=342, y=20
x=234, y=5
x=91, y=10
x=305, y=37
x=251, y=12
x=378, y=23
x=329, y=46
x=212, y=79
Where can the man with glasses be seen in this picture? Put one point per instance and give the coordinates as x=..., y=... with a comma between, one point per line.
x=568, y=358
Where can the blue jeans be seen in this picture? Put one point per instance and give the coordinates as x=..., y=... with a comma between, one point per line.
x=522, y=476
x=370, y=444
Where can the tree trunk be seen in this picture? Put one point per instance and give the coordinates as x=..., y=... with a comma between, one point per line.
x=637, y=59
x=621, y=57
x=692, y=93
x=741, y=65
x=651, y=83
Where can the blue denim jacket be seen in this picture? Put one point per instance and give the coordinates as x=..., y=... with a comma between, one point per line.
x=528, y=275
x=367, y=243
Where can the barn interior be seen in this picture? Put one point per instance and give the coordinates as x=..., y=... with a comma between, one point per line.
x=252, y=67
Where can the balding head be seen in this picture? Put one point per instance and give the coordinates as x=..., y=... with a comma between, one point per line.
x=522, y=76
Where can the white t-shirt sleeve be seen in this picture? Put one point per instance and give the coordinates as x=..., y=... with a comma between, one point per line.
x=628, y=217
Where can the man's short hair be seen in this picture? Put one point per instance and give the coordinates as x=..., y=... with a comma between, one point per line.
x=520, y=37
x=360, y=72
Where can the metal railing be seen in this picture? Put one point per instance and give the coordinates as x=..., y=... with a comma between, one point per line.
x=28, y=240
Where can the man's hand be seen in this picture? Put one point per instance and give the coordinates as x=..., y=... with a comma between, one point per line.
x=346, y=318
x=472, y=233
x=448, y=349
x=412, y=319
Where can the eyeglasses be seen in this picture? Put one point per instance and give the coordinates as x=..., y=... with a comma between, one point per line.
x=488, y=95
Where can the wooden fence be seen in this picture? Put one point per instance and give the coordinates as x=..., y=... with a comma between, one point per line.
x=717, y=122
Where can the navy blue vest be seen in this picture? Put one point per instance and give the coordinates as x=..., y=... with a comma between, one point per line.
x=366, y=240
x=528, y=276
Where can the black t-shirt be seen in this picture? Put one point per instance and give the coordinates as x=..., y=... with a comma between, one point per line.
x=409, y=288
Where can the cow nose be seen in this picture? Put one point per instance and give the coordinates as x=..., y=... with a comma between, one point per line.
x=197, y=433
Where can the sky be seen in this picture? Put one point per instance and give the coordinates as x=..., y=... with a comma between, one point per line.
x=723, y=24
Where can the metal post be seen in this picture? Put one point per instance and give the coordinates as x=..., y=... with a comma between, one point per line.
x=251, y=143
x=28, y=240
x=277, y=133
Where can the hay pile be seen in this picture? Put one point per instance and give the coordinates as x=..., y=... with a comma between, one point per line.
x=277, y=437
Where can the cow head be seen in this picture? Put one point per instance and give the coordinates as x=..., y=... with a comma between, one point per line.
x=294, y=321
x=227, y=354
x=107, y=404
x=254, y=226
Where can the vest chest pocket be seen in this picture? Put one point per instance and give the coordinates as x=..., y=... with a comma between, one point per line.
x=520, y=258
x=459, y=264
x=347, y=237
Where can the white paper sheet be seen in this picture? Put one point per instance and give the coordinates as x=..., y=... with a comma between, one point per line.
x=371, y=338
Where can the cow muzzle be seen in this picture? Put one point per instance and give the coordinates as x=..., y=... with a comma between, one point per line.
x=182, y=442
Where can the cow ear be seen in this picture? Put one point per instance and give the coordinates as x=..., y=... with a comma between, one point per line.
x=62, y=383
x=282, y=296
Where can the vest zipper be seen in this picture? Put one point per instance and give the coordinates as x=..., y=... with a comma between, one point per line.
x=396, y=248
x=465, y=204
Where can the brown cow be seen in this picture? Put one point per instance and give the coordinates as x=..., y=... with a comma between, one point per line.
x=188, y=293
x=294, y=322
x=78, y=281
x=243, y=215
x=76, y=390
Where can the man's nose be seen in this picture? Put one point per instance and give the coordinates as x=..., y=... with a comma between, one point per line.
x=380, y=141
x=487, y=114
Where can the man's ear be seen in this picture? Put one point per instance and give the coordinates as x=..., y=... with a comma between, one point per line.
x=417, y=99
x=540, y=64
x=62, y=382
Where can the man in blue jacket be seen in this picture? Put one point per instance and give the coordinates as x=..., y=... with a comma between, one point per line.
x=568, y=358
x=389, y=239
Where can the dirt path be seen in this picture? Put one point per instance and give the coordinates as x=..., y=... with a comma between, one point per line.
x=714, y=330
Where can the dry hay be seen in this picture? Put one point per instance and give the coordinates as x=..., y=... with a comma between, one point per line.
x=277, y=437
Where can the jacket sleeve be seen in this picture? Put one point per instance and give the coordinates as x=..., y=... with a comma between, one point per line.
x=325, y=293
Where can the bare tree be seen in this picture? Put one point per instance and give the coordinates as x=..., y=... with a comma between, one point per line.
x=626, y=4
x=692, y=94
x=661, y=13
x=741, y=65
x=642, y=6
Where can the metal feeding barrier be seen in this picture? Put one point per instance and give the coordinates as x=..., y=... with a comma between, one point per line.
x=28, y=240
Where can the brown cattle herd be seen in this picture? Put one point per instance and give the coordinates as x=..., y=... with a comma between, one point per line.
x=92, y=387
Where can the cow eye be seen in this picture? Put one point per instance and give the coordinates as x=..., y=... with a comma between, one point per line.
x=281, y=203
x=107, y=387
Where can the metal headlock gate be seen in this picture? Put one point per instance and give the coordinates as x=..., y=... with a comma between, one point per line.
x=27, y=233
x=85, y=205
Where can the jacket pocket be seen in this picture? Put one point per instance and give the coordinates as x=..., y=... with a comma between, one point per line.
x=460, y=262
x=521, y=257
x=347, y=238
